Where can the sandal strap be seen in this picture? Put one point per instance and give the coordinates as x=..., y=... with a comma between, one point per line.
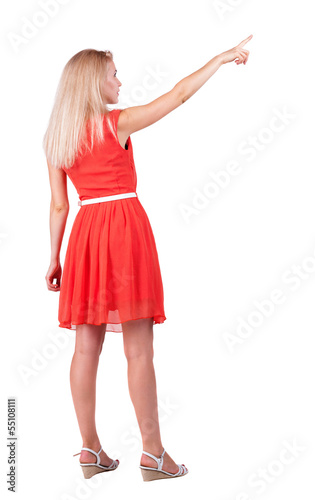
x=181, y=470
x=158, y=460
x=98, y=460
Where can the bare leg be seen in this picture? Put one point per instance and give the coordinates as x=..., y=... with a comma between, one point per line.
x=138, y=347
x=83, y=371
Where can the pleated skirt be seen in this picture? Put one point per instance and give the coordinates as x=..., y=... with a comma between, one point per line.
x=111, y=272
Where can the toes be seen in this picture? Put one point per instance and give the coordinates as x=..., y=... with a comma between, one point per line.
x=183, y=469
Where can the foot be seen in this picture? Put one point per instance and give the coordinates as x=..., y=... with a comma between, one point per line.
x=168, y=464
x=86, y=457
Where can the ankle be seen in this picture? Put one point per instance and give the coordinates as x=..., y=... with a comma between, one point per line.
x=153, y=448
x=93, y=445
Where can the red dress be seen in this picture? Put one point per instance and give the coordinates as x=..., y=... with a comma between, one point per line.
x=111, y=271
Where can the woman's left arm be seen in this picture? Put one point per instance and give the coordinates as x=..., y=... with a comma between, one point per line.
x=59, y=209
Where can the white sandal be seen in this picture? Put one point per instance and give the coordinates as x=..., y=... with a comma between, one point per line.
x=90, y=470
x=150, y=473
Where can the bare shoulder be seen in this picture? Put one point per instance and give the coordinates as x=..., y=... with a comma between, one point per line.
x=138, y=117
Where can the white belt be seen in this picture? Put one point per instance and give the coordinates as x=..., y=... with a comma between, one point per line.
x=107, y=198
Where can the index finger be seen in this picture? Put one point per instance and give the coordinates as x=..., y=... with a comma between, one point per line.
x=245, y=41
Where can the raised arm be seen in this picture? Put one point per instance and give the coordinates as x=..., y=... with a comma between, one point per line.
x=138, y=117
x=189, y=85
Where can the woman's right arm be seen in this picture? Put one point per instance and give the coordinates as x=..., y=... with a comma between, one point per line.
x=138, y=117
x=190, y=84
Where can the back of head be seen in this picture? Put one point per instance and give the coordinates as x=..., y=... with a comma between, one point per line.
x=79, y=101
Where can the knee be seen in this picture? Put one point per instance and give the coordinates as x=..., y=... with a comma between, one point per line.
x=139, y=353
x=138, y=339
x=94, y=351
x=89, y=340
x=90, y=347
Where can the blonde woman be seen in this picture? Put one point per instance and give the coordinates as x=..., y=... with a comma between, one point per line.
x=111, y=277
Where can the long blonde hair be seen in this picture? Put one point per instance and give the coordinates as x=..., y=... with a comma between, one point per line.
x=79, y=100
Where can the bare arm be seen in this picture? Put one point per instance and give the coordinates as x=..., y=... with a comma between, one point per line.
x=57, y=225
x=138, y=117
x=189, y=85
x=59, y=209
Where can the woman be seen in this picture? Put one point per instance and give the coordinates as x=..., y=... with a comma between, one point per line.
x=111, y=278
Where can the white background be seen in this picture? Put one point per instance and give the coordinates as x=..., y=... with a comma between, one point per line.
x=226, y=413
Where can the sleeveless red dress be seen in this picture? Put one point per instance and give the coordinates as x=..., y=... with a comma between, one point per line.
x=111, y=272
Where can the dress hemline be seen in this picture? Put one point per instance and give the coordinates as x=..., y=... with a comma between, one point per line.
x=74, y=325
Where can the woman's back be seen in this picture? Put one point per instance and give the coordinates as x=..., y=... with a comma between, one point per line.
x=108, y=169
